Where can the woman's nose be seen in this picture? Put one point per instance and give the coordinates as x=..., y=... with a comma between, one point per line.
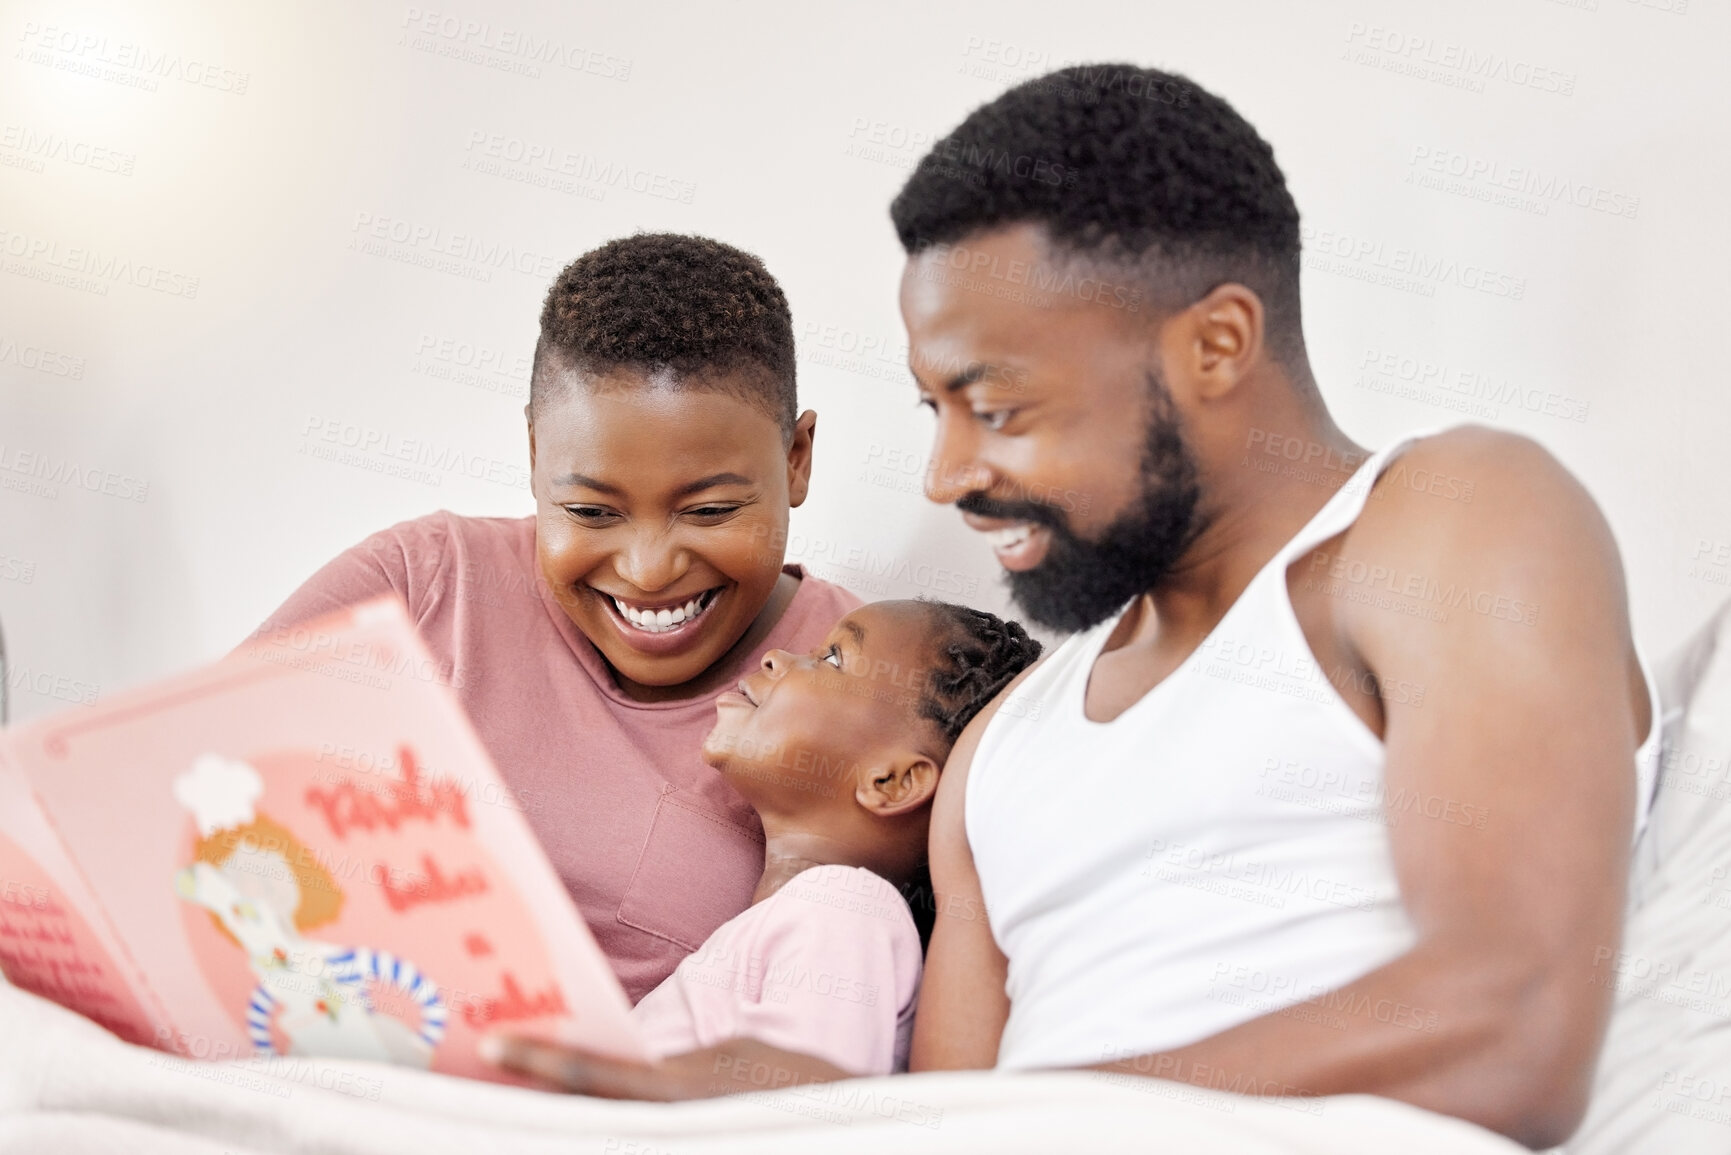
x=651, y=563
x=776, y=662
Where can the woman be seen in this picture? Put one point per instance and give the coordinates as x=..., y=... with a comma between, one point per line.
x=588, y=643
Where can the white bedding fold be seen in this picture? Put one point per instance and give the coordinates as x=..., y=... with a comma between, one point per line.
x=68, y=1086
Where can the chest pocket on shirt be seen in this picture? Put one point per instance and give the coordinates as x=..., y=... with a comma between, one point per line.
x=698, y=869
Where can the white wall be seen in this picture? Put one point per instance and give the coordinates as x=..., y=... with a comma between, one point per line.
x=251, y=139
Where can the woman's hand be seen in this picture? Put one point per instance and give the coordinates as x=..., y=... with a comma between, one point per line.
x=732, y=1067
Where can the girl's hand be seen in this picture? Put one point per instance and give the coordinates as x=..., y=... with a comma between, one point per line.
x=732, y=1067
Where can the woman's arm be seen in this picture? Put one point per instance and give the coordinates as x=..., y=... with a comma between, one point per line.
x=402, y=560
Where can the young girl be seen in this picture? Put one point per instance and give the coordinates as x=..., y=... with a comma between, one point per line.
x=588, y=643
x=839, y=752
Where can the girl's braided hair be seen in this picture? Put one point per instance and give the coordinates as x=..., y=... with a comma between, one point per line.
x=977, y=655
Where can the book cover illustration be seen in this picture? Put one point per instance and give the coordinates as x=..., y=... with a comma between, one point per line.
x=304, y=851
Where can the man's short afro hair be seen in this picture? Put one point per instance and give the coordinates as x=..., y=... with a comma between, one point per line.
x=1139, y=168
x=663, y=301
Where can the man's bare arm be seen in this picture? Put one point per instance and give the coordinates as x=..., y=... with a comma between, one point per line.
x=963, y=1005
x=1532, y=709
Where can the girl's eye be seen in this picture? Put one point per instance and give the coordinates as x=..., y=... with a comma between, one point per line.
x=833, y=657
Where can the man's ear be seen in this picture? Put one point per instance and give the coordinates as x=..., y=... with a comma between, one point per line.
x=799, y=458
x=897, y=787
x=1218, y=340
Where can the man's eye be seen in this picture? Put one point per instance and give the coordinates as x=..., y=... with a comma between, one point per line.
x=926, y=402
x=592, y=513
x=712, y=512
x=994, y=418
x=833, y=657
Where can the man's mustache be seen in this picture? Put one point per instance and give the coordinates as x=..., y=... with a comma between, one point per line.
x=1038, y=512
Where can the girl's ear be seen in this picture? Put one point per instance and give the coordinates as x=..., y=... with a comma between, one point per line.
x=897, y=787
x=799, y=458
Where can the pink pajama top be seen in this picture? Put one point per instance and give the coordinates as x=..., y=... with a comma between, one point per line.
x=829, y=965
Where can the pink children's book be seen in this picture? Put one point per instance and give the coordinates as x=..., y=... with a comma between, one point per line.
x=301, y=850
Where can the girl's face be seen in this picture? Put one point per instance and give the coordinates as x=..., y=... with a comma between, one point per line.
x=662, y=518
x=803, y=728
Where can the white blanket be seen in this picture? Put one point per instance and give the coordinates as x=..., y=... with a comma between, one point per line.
x=68, y=1087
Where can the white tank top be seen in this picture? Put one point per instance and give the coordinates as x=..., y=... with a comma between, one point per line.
x=1217, y=852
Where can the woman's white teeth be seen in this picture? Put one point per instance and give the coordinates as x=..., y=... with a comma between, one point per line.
x=1009, y=537
x=659, y=621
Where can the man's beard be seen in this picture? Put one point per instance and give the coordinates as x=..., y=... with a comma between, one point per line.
x=1081, y=583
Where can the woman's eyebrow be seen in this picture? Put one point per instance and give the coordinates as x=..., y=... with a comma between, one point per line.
x=855, y=631
x=711, y=482
x=585, y=481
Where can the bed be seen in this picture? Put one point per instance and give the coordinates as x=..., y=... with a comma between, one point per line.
x=1663, y=1085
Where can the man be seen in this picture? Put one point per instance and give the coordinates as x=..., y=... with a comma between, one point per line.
x=1335, y=787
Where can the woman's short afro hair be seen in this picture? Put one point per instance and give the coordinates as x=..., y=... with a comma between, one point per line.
x=1139, y=168
x=691, y=306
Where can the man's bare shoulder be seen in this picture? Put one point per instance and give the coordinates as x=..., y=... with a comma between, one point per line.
x=1483, y=489
x=952, y=785
x=1469, y=531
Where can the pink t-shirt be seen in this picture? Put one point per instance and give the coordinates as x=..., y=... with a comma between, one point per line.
x=655, y=848
x=829, y=965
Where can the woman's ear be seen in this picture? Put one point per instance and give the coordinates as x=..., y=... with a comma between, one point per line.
x=529, y=417
x=799, y=458
x=898, y=787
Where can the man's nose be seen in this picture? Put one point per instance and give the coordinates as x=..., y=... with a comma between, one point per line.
x=954, y=470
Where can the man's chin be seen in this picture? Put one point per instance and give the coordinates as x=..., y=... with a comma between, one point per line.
x=1066, y=604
